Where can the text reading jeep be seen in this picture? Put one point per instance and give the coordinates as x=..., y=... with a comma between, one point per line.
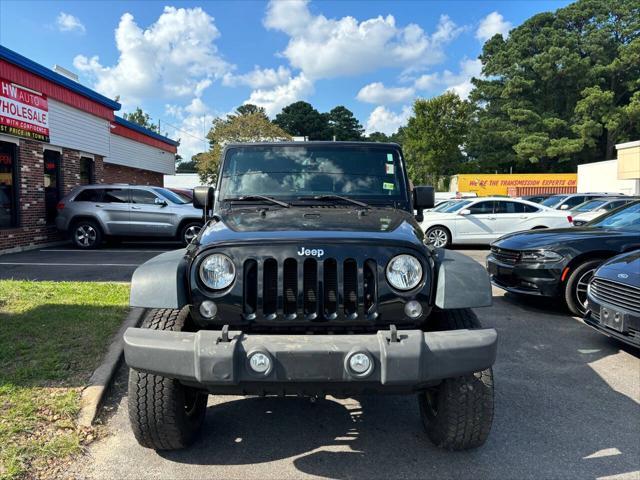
x=311, y=277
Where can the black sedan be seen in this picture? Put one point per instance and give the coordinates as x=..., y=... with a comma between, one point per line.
x=614, y=298
x=560, y=262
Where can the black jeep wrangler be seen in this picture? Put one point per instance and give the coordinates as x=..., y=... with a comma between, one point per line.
x=311, y=277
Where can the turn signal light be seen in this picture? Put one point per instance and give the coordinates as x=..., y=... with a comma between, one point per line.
x=570, y=218
x=60, y=205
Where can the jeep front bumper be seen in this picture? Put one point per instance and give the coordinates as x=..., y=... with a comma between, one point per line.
x=218, y=361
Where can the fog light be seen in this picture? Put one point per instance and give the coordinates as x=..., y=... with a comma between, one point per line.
x=260, y=362
x=208, y=309
x=360, y=363
x=413, y=309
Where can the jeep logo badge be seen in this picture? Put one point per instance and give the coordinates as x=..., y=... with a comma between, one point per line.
x=315, y=252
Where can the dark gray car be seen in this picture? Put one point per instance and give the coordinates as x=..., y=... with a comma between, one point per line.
x=91, y=213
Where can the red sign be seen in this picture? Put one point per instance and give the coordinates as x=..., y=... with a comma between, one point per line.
x=23, y=113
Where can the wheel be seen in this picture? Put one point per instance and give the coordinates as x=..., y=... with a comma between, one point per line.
x=457, y=413
x=86, y=234
x=189, y=231
x=439, y=237
x=164, y=414
x=575, y=291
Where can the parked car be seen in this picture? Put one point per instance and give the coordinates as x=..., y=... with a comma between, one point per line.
x=560, y=262
x=570, y=200
x=90, y=213
x=613, y=298
x=483, y=220
x=591, y=209
x=536, y=198
x=185, y=193
x=299, y=249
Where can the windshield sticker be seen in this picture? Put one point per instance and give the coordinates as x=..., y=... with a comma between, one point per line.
x=389, y=157
x=389, y=168
x=388, y=186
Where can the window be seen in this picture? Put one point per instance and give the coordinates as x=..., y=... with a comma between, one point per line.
x=616, y=204
x=86, y=171
x=90, y=195
x=52, y=186
x=8, y=185
x=481, y=207
x=143, y=196
x=514, y=207
x=173, y=196
x=573, y=201
x=116, y=195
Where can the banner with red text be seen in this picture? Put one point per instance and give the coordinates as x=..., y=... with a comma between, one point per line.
x=23, y=112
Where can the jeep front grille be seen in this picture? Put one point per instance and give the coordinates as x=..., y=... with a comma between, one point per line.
x=309, y=289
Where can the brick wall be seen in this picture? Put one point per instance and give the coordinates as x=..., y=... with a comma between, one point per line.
x=133, y=176
x=32, y=228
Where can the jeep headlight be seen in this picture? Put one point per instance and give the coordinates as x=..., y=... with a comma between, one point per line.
x=217, y=271
x=404, y=272
x=539, y=256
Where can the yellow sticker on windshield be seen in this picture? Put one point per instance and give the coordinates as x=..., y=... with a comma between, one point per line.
x=388, y=186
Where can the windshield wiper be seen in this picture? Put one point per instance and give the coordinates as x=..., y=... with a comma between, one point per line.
x=246, y=198
x=336, y=197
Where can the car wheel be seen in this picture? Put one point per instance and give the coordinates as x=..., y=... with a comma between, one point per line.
x=86, y=234
x=189, y=232
x=575, y=292
x=439, y=237
x=457, y=414
x=164, y=414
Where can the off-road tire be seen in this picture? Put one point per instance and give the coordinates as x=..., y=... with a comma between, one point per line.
x=576, y=281
x=164, y=414
x=92, y=231
x=457, y=413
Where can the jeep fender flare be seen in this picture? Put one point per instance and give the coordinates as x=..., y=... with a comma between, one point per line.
x=461, y=282
x=161, y=282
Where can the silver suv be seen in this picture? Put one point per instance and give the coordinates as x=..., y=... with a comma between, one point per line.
x=91, y=213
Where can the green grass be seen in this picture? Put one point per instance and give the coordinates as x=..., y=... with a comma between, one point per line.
x=52, y=336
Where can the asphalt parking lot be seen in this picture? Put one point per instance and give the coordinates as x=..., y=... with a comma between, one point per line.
x=66, y=263
x=567, y=406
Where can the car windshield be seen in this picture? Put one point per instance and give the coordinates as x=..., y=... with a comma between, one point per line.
x=444, y=205
x=554, y=200
x=171, y=196
x=456, y=206
x=589, y=205
x=626, y=218
x=295, y=172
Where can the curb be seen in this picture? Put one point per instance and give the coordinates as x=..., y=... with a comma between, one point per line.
x=92, y=395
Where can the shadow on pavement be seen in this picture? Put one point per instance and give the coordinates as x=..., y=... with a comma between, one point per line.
x=555, y=418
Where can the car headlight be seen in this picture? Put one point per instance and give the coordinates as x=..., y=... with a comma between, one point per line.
x=404, y=272
x=539, y=256
x=217, y=271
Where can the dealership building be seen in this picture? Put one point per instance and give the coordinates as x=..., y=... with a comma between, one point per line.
x=56, y=134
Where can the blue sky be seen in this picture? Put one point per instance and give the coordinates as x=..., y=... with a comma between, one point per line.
x=187, y=62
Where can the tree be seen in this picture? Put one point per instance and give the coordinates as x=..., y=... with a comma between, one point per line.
x=435, y=136
x=562, y=88
x=249, y=108
x=377, y=137
x=249, y=127
x=344, y=125
x=189, y=166
x=141, y=118
x=300, y=119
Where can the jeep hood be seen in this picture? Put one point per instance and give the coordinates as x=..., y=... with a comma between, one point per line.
x=314, y=223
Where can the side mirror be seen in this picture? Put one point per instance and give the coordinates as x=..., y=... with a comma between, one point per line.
x=159, y=201
x=564, y=207
x=423, y=197
x=464, y=211
x=203, y=198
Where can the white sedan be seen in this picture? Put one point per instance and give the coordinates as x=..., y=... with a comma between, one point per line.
x=483, y=220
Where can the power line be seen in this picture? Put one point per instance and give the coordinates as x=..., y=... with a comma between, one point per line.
x=184, y=131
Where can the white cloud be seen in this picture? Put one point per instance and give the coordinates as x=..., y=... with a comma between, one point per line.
x=326, y=48
x=259, y=78
x=386, y=121
x=69, y=23
x=492, y=24
x=173, y=57
x=381, y=95
x=459, y=83
x=273, y=100
x=190, y=124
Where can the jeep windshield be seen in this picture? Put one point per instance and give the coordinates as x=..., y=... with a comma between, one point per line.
x=314, y=173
